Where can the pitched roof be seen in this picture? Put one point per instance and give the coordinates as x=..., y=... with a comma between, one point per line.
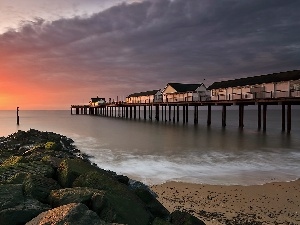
x=97, y=99
x=179, y=87
x=145, y=93
x=269, y=78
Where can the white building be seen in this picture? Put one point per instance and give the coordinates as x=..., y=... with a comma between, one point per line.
x=276, y=85
x=178, y=92
x=97, y=101
x=144, y=97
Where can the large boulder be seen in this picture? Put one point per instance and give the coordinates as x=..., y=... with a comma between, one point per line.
x=184, y=218
x=74, y=213
x=122, y=205
x=22, y=213
x=11, y=195
x=159, y=221
x=35, y=167
x=93, y=198
x=39, y=187
x=70, y=169
x=152, y=204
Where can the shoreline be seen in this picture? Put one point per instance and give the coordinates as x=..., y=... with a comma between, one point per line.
x=270, y=203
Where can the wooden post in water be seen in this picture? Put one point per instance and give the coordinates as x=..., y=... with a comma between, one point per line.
x=183, y=114
x=187, y=113
x=195, y=115
x=224, y=116
x=264, y=117
x=241, y=116
x=259, y=116
x=157, y=112
x=18, y=118
x=177, y=113
x=174, y=111
x=130, y=112
x=145, y=108
x=165, y=113
x=289, y=118
x=283, y=117
x=170, y=110
x=208, y=115
x=162, y=113
x=134, y=112
x=139, y=112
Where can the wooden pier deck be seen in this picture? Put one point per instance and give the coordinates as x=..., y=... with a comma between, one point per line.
x=169, y=111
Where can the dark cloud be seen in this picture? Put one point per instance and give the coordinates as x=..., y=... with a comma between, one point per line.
x=141, y=46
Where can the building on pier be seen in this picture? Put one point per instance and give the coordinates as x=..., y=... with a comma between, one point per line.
x=97, y=101
x=276, y=85
x=144, y=97
x=178, y=92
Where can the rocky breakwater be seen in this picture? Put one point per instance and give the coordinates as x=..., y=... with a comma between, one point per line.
x=44, y=179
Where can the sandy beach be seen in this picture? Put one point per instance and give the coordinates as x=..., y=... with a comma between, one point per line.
x=272, y=203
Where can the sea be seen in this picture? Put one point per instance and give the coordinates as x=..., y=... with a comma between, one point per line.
x=157, y=152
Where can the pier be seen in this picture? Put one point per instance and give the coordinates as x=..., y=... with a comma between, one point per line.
x=281, y=88
x=169, y=111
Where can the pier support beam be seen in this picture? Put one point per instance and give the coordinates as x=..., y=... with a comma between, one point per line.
x=157, y=112
x=134, y=112
x=145, y=110
x=139, y=112
x=208, y=115
x=289, y=118
x=283, y=117
x=264, y=117
x=187, y=113
x=170, y=110
x=259, y=116
x=196, y=115
x=183, y=114
x=224, y=116
x=174, y=111
x=177, y=113
x=241, y=116
x=165, y=113
x=130, y=112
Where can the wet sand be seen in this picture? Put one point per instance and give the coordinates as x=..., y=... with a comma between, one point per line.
x=273, y=203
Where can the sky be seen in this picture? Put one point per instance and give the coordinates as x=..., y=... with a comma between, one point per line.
x=57, y=53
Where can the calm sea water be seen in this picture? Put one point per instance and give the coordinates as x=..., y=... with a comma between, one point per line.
x=158, y=152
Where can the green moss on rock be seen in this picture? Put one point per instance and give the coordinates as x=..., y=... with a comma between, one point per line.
x=39, y=187
x=70, y=169
x=35, y=167
x=13, y=160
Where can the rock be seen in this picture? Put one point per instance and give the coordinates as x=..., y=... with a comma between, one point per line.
x=22, y=213
x=74, y=213
x=123, y=206
x=52, y=161
x=35, y=167
x=50, y=145
x=152, y=204
x=17, y=178
x=122, y=179
x=39, y=187
x=13, y=160
x=11, y=195
x=93, y=198
x=159, y=221
x=184, y=218
x=70, y=169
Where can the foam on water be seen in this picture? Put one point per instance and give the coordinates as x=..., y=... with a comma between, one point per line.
x=211, y=167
